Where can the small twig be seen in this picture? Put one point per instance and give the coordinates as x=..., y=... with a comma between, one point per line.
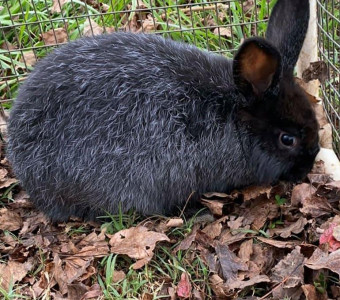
x=281, y=283
x=186, y=203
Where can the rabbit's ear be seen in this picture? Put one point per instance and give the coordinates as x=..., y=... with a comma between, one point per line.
x=287, y=29
x=256, y=66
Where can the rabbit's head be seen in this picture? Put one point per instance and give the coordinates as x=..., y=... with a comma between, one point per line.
x=275, y=113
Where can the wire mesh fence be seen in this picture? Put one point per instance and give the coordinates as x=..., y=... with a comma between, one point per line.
x=329, y=51
x=29, y=29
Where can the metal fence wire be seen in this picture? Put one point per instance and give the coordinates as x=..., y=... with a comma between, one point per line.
x=328, y=12
x=29, y=29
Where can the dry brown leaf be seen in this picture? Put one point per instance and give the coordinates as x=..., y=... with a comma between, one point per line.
x=254, y=192
x=311, y=293
x=135, y=18
x=136, y=242
x=118, y=276
x=214, y=229
x=312, y=99
x=279, y=244
x=29, y=58
x=215, y=194
x=67, y=270
x=141, y=4
x=97, y=4
x=174, y=222
x=290, y=267
x=216, y=207
x=8, y=242
x=90, y=271
x=94, y=292
x=21, y=200
x=246, y=250
x=7, y=45
x=319, y=167
x=92, y=28
x=39, y=287
x=336, y=232
x=100, y=249
x=188, y=240
x=286, y=232
x=3, y=174
x=228, y=237
x=10, y=220
x=172, y=293
x=209, y=258
x=165, y=225
x=239, y=284
x=184, y=286
x=204, y=240
x=287, y=293
x=230, y=263
x=76, y=291
x=223, y=31
x=93, y=245
x=335, y=291
x=32, y=223
x=197, y=295
x=316, y=70
x=8, y=182
x=132, y=25
x=318, y=179
x=147, y=296
x=315, y=207
x=149, y=25
x=322, y=260
x=13, y=272
x=235, y=224
x=79, y=259
x=330, y=190
x=59, y=275
x=57, y=5
x=217, y=285
x=247, y=5
x=260, y=212
x=301, y=192
x=263, y=257
x=56, y=36
x=334, y=185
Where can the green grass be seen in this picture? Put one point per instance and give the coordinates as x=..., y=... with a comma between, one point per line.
x=13, y=292
x=165, y=267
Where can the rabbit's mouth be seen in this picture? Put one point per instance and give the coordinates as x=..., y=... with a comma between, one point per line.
x=299, y=171
x=295, y=177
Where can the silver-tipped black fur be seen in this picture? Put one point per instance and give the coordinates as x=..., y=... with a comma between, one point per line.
x=144, y=121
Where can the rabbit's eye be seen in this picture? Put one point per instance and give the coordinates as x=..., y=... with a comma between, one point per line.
x=288, y=140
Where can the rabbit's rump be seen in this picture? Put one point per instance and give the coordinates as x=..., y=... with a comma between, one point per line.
x=121, y=119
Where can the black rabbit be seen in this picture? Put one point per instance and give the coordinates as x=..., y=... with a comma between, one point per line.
x=144, y=121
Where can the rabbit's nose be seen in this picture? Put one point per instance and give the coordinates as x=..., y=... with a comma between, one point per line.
x=314, y=151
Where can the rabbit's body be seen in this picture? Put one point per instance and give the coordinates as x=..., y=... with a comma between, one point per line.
x=105, y=139
x=144, y=121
